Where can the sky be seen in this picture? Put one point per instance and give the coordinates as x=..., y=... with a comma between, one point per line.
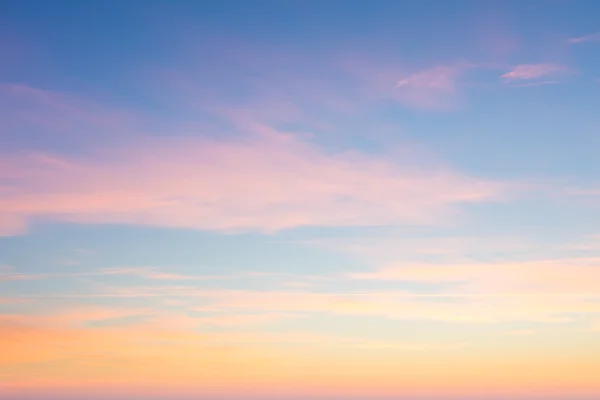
x=299, y=199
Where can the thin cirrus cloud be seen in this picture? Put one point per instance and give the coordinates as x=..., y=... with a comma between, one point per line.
x=470, y=305
x=262, y=180
x=139, y=272
x=479, y=308
x=542, y=291
x=247, y=307
x=542, y=83
x=434, y=88
x=525, y=72
x=264, y=184
x=594, y=37
x=579, y=276
x=32, y=117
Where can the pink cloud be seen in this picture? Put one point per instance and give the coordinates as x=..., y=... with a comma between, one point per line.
x=12, y=300
x=595, y=37
x=18, y=277
x=533, y=71
x=267, y=183
x=433, y=88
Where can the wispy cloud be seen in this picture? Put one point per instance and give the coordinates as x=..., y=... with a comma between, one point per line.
x=149, y=273
x=469, y=305
x=389, y=248
x=156, y=274
x=479, y=308
x=8, y=277
x=32, y=115
x=594, y=37
x=12, y=300
x=432, y=88
x=542, y=83
x=576, y=276
x=533, y=71
x=266, y=183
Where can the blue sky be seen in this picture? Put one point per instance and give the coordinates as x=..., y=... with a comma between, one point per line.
x=300, y=193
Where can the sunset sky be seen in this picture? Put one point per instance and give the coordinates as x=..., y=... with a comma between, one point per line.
x=298, y=199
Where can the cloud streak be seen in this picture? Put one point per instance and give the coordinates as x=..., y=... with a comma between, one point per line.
x=533, y=71
x=434, y=88
x=447, y=306
x=264, y=184
x=594, y=37
x=141, y=272
x=552, y=277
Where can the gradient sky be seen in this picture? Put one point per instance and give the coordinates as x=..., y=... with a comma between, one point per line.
x=299, y=200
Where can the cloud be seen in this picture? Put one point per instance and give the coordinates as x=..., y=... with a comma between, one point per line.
x=537, y=83
x=554, y=277
x=458, y=308
x=533, y=71
x=9, y=277
x=172, y=349
x=12, y=300
x=542, y=291
x=475, y=306
x=166, y=349
x=434, y=88
x=155, y=274
x=85, y=354
x=32, y=117
x=594, y=37
x=11, y=224
x=265, y=183
x=142, y=272
x=386, y=248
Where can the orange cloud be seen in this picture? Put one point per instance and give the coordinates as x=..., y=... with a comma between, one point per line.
x=166, y=351
x=450, y=307
x=266, y=184
x=570, y=276
x=12, y=300
x=38, y=353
